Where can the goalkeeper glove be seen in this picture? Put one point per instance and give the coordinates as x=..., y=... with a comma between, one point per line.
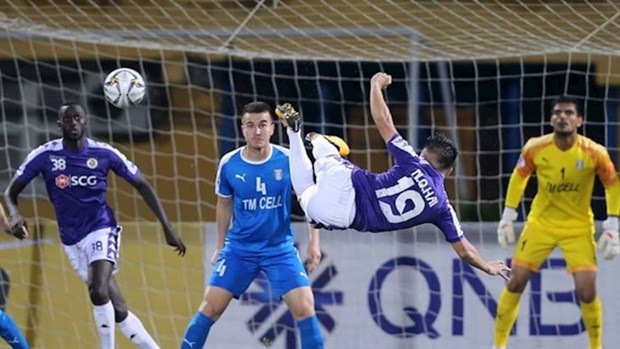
x=609, y=241
x=506, y=227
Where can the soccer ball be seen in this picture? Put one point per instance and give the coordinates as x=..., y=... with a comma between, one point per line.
x=124, y=88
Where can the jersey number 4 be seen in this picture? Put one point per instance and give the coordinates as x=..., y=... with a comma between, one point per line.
x=261, y=187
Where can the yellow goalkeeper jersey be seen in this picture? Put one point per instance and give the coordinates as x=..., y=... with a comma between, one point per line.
x=565, y=182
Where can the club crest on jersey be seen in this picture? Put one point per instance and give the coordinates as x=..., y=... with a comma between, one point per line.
x=277, y=173
x=579, y=164
x=92, y=163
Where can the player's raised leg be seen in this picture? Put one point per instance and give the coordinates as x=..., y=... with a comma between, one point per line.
x=129, y=324
x=299, y=162
x=11, y=333
x=324, y=146
x=289, y=116
x=318, y=140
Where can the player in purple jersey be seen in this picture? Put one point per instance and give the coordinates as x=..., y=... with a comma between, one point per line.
x=75, y=170
x=410, y=193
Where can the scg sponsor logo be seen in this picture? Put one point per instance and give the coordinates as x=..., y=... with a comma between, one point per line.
x=63, y=181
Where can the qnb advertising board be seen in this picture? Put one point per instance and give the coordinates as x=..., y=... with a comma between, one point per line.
x=410, y=290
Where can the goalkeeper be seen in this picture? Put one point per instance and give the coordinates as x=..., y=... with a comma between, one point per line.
x=565, y=164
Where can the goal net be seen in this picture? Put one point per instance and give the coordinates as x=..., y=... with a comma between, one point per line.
x=483, y=73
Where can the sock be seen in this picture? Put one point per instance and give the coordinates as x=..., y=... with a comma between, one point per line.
x=104, y=318
x=311, y=337
x=593, y=318
x=507, y=311
x=300, y=164
x=197, y=331
x=133, y=329
x=11, y=333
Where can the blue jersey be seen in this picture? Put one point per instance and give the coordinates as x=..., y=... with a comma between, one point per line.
x=77, y=183
x=408, y=194
x=261, y=200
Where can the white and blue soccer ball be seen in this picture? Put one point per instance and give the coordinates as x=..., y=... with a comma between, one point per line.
x=124, y=88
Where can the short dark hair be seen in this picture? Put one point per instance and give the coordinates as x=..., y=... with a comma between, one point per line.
x=569, y=100
x=256, y=107
x=443, y=148
x=68, y=105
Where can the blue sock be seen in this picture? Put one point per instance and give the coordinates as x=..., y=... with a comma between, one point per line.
x=197, y=331
x=11, y=333
x=311, y=337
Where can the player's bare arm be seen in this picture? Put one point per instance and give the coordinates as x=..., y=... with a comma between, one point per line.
x=378, y=108
x=314, y=250
x=470, y=254
x=4, y=221
x=6, y=225
x=151, y=199
x=17, y=224
x=223, y=216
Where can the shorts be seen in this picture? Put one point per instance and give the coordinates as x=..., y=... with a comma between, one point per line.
x=331, y=201
x=235, y=273
x=536, y=244
x=102, y=244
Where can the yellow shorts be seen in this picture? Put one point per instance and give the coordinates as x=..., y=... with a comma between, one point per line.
x=536, y=244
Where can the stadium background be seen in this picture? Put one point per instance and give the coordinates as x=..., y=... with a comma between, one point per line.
x=504, y=64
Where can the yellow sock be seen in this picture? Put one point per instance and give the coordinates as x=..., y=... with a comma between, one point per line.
x=507, y=311
x=593, y=319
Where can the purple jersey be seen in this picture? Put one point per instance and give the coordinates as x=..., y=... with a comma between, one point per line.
x=76, y=183
x=408, y=194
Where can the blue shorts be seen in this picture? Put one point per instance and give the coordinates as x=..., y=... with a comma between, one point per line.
x=235, y=273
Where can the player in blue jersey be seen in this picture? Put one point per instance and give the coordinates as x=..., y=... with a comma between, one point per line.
x=410, y=193
x=254, y=190
x=8, y=328
x=75, y=170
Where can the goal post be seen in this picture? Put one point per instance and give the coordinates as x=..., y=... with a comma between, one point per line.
x=483, y=73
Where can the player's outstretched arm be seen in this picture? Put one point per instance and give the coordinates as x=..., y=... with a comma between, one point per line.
x=151, y=199
x=470, y=254
x=378, y=108
x=17, y=224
